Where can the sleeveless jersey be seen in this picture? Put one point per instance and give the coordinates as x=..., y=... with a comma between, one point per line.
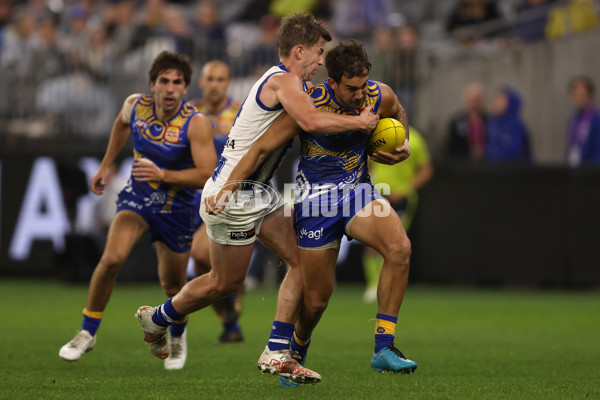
x=253, y=120
x=221, y=122
x=337, y=158
x=166, y=144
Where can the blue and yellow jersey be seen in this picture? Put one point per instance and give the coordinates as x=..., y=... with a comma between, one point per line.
x=166, y=144
x=221, y=122
x=338, y=158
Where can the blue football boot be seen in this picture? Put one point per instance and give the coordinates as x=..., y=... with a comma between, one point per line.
x=392, y=359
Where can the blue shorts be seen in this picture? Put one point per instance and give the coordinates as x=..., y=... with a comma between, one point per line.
x=321, y=215
x=175, y=229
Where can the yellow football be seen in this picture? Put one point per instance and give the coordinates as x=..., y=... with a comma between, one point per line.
x=388, y=135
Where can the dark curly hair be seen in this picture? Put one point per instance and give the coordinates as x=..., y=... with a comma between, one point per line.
x=349, y=58
x=168, y=60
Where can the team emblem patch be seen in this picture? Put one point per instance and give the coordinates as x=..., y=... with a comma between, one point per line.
x=172, y=134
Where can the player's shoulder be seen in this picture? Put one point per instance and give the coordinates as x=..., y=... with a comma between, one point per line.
x=132, y=98
x=319, y=93
x=188, y=109
x=235, y=105
x=199, y=103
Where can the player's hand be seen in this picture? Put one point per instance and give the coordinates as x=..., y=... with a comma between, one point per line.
x=400, y=154
x=369, y=119
x=145, y=170
x=99, y=181
x=216, y=204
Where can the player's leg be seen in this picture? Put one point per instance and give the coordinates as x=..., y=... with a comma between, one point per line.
x=227, y=309
x=372, y=262
x=172, y=275
x=226, y=276
x=125, y=230
x=378, y=226
x=277, y=234
x=318, y=273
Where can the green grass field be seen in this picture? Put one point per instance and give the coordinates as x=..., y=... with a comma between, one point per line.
x=469, y=344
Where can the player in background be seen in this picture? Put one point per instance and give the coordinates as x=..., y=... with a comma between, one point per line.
x=259, y=213
x=221, y=111
x=404, y=181
x=174, y=155
x=335, y=197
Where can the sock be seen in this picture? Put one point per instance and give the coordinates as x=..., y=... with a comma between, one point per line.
x=231, y=326
x=300, y=345
x=91, y=321
x=166, y=315
x=281, y=335
x=178, y=327
x=385, y=329
x=372, y=268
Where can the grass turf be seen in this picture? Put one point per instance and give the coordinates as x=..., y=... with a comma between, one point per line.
x=468, y=343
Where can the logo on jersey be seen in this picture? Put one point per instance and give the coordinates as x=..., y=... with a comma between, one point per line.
x=316, y=234
x=242, y=235
x=172, y=134
x=141, y=124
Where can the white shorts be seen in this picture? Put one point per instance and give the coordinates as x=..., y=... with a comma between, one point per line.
x=239, y=223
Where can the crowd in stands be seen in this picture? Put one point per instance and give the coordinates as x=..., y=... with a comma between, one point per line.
x=73, y=61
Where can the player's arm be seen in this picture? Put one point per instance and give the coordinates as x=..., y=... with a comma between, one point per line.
x=203, y=153
x=118, y=137
x=279, y=133
x=287, y=90
x=390, y=107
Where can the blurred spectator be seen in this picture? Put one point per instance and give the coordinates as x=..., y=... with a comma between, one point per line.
x=404, y=180
x=382, y=55
x=177, y=28
x=209, y=32
x=583, y=145
x=6, y=10
x=467, y=130
x=468, y=13
x=571, y=16
x=405, y=61
x=358, y=18
x=19, y=42
x=532, y=19
x=265, y=54
x=507, y=136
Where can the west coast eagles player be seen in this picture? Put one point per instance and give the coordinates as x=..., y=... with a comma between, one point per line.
x=221, y=110
x=174, y=153
x=257, y=212
x=335, y=197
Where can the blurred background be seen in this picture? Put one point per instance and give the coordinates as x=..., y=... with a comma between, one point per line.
x=505, y=187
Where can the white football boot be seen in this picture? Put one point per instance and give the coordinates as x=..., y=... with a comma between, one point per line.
x=81, y=343
x=154, y=335
x=177, y=352
x=281, y=362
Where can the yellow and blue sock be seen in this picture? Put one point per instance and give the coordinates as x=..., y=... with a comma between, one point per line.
x=166, y=314
x=385, y=330
x=300, y=345
x=281, y=335
x=178, y=327
x=91, y=321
